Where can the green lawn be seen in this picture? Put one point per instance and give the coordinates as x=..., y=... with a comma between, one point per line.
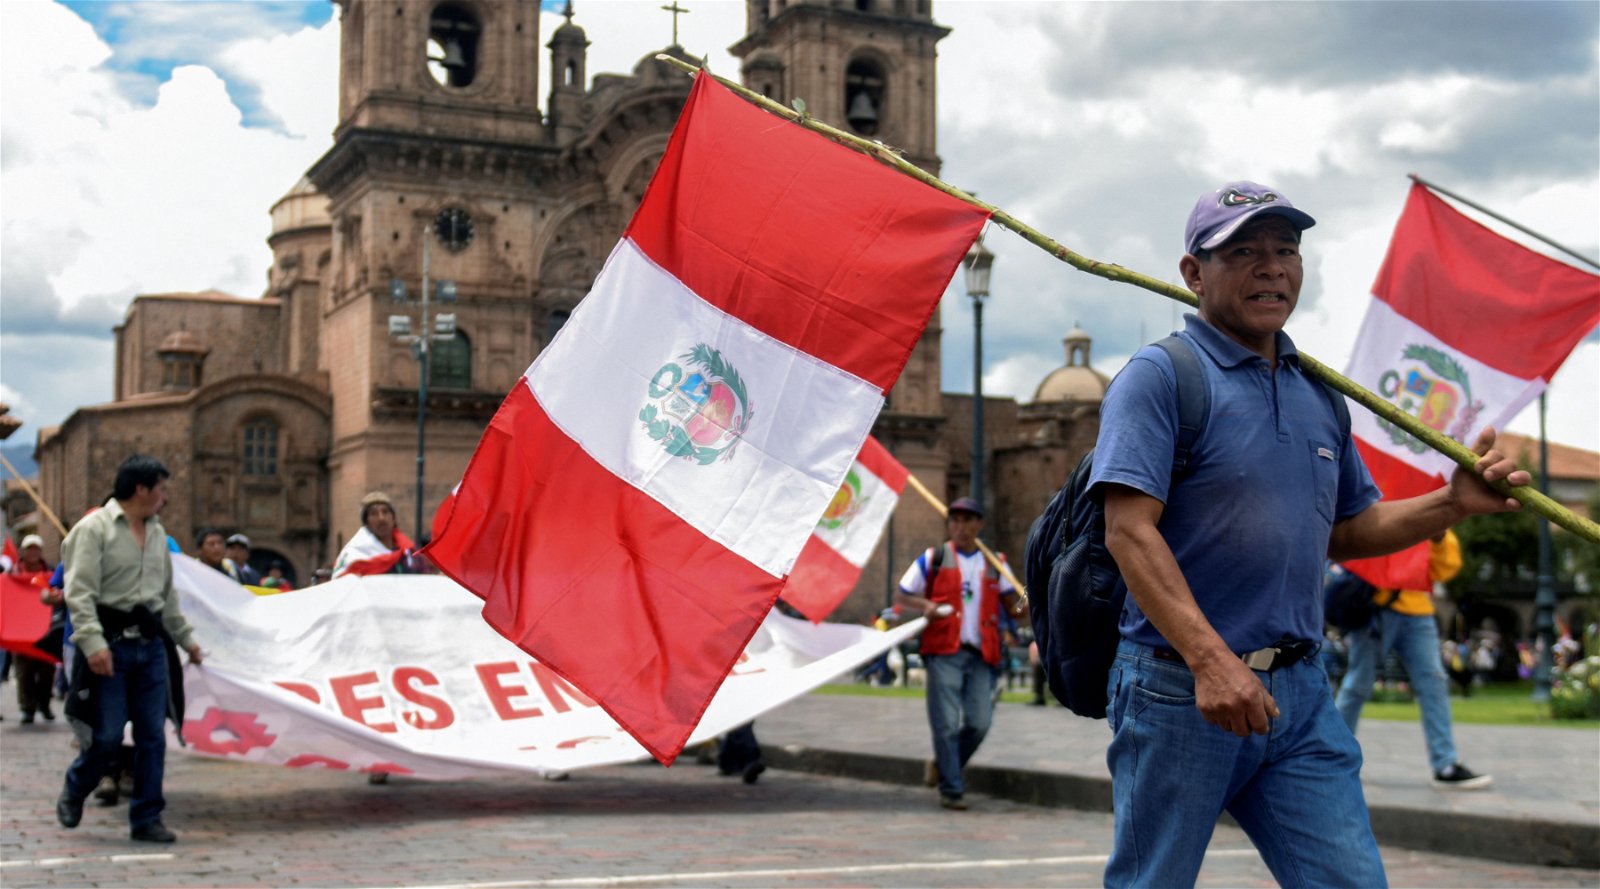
x=1498, y=704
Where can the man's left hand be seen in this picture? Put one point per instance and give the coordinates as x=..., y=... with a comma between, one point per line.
x=1471, y=491
x=195, y=656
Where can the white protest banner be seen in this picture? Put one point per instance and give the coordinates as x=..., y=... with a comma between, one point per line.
x=400, y=674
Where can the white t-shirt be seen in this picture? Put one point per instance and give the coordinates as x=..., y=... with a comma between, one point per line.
x=915, y=583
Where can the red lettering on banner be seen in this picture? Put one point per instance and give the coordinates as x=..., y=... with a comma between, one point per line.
x=315, y=759
x=500, y=692
x=439, y=714
x=304, y=690
x=557, y=690
x=586, y=739
x=355, y=708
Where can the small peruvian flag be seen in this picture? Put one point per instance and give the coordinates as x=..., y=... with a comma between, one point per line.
x=847, y=534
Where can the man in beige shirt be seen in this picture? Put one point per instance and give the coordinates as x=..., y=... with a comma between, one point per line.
x=124, y=612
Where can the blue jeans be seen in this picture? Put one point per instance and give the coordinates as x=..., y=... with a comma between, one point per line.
x=135, y=692
x=1296, y=791
x=960, y=709
x=1416, y=638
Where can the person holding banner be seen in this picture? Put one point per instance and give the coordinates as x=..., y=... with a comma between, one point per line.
x=954, y=588
x=127, y=626
x=1216, y=681
x=34, y=676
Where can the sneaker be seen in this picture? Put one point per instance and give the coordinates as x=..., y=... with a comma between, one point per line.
x=377, y=777
x=154, y=832
x=1459, y=777
x=48, y=714
x=930, y=773
x=753, y=771
x=955, y=803
x=27, y=717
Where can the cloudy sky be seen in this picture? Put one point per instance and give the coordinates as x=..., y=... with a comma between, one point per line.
x=141, y=145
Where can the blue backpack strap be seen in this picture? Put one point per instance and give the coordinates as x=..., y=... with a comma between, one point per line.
x=1194, y=401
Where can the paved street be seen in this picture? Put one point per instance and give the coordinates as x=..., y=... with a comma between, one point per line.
x=635, y=825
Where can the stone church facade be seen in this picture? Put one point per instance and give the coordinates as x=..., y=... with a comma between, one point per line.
x=276, y=414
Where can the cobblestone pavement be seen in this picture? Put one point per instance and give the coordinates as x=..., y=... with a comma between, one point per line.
x=639, y=825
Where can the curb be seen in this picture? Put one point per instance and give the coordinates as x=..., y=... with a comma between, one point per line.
x=1515, y=840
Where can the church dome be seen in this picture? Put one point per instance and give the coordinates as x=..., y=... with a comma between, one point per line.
x=1075, y=381
x=302, y=207
x=569, y=33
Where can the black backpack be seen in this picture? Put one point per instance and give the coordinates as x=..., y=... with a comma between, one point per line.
x=1347, y=602
x=1076, y=601
x=1077, y=597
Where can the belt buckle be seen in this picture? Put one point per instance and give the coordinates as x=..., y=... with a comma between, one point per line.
x=1260, y=659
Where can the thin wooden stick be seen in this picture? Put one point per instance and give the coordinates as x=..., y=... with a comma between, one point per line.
x=998, y=563
x=1456, y=451
x=38, y=501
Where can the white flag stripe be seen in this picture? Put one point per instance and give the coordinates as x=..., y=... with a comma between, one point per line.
x=807, y=419
x=856, y=538
x=1379, y=364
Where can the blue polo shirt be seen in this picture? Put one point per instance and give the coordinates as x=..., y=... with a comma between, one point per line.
x=1272, y=473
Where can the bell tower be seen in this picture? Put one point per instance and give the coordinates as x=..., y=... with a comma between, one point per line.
x=865, y=66
x=432, y=182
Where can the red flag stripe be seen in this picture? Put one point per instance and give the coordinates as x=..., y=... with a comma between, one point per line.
x=1509, y=307
x=878, y=461
x=817, y=246
x=821, y=580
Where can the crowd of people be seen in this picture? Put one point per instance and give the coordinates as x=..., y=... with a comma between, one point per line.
x=1217, y=666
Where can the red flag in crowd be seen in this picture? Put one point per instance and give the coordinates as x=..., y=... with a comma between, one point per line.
x=848, y=532
x=632, y=510
x=9, y=555
x=1464, y=329
x=24, y=618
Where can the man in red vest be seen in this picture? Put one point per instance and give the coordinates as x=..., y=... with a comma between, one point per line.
x=961, y=596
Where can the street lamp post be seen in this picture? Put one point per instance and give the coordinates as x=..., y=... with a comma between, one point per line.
x=1545, y=590
x=443, y=327
x=978, y=263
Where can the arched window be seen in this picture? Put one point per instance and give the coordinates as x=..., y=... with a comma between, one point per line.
x=450, y=363
x=261, y=447
x=553, y=323
x=453, y=35
x=863, y=96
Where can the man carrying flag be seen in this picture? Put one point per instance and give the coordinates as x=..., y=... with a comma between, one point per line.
x=1425, y=347
x=666, y=457
x=1214, y=683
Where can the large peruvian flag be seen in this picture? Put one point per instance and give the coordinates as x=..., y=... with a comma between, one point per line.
x=632, y=510
x=1464, y=329
x=847, y=533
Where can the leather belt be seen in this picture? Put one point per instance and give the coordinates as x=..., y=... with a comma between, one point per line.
x=1267, y=659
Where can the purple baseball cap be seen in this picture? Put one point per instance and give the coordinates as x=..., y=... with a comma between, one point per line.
x=966, y=504
x=1218, y=214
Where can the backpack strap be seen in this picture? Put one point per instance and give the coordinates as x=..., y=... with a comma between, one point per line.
x=1194, y=401
x=934, y=566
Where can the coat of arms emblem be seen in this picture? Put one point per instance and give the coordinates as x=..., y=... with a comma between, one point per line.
x=699, y=407
x=846, y=503
x=1433, y=387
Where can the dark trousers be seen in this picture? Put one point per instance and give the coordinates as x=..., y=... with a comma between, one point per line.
x=135, y=692
x=34, y=678
x=738, y=749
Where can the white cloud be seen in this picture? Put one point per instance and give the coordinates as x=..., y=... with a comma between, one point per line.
x=1087, y=120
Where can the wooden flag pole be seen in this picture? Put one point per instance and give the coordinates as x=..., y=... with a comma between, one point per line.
x=1456, y=451
x=38, y=501
x=998, y=563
